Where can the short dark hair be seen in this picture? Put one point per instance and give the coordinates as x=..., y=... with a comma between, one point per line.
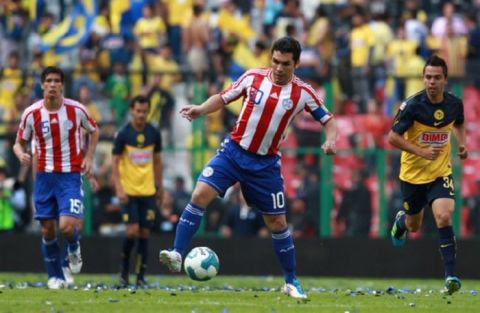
x=435, y=60
x=139, y=99
x=288, y=45
x=52, y=70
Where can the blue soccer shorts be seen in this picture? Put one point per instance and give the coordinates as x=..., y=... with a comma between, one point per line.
x=58, y=194
x=260, y=177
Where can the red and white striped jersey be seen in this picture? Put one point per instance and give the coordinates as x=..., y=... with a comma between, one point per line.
x=268, y=109
x=57, y=135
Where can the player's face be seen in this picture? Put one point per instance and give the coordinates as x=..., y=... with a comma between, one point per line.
x=434, y=80
x=283, y=66
x=139, y=113
x=52, y=86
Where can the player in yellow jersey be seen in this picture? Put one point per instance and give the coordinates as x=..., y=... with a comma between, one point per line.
x=137, y=174
x=422, y=130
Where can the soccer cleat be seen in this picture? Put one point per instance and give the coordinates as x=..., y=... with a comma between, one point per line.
x=141, y=283
x=398, y=238
x=56, y=283
x=294, y=290
x=68, y=275
x=172, y=259
x=452, y=284
x=75, y=261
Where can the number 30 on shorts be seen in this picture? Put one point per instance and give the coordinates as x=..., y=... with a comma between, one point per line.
x=278, y=200
x=448, y=184
x=76, y=206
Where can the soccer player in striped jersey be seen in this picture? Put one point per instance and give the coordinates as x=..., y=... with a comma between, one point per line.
x=55, y=123
x=272, y=97
x=423, y=129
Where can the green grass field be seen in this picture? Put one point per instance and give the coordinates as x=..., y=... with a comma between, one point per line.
x=229, y=294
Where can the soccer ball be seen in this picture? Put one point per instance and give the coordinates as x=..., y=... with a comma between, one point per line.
x=201, y=264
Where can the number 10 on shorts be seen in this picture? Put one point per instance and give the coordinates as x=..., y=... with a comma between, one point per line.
x=278, y=200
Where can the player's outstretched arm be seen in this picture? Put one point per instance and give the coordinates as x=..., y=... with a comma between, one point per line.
x=19, y=148
x=329, y=146
x=87, y=163
x=191, y=111
x=459, y=131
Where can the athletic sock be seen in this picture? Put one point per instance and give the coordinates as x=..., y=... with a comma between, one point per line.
x=65, y=260
x=142, y=255
x=401, y=227
x=128, y=244
x=73, y=241
x=285, y=250
x=187, y=227
x=51, y=258
x=448, y=249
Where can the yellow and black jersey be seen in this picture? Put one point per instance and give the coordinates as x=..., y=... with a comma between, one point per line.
x=136, y=150
x=424, y=123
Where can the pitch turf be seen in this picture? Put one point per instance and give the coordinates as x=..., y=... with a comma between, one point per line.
x=228, y=294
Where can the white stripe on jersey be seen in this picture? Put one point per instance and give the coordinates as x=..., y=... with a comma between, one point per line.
x=62, y=116
x=252, y=123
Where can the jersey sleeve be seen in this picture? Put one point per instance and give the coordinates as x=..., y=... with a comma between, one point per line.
x=460, y=116
x=404, y=118
x=87, y=121
x=314, y=105
x=158, y=141
x=119, y=143
x=25, y=128
x=238, y=88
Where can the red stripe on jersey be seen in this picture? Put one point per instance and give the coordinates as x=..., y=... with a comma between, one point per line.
x=37, y=121
x=75, y=158
x=56, y=142
x=239, y=129
x=294, y=96
x=265, y=119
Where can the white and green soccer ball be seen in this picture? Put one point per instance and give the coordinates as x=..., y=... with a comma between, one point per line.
x=201, y=264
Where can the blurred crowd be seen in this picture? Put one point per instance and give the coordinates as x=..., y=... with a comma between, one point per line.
x=364, y=56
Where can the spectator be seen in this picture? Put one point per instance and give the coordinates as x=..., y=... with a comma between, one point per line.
x=441, y=24
x=473, y=207
x=161, y=108
x=7, y=212
x=196, y=36
x=11, y=79
x=149, y=30
x=163, y=63
x=301, y=222
x=180, y=195
x=400, y=50
x=13, y=24
x=356, y=207
x=473, y=56
x=106, y=206
x=118, y=89
x=241, y=220
x=179, y=13
x=168, y=215
x=361, y=44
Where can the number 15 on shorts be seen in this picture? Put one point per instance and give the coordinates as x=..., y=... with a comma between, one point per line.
x=76, y=206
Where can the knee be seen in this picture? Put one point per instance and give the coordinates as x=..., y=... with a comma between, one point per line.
x=443, y=219
x=413, y=226
x=132, y=231
x=48, y=233
x=67, y=229
x=276, y=224
x=200, y=198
